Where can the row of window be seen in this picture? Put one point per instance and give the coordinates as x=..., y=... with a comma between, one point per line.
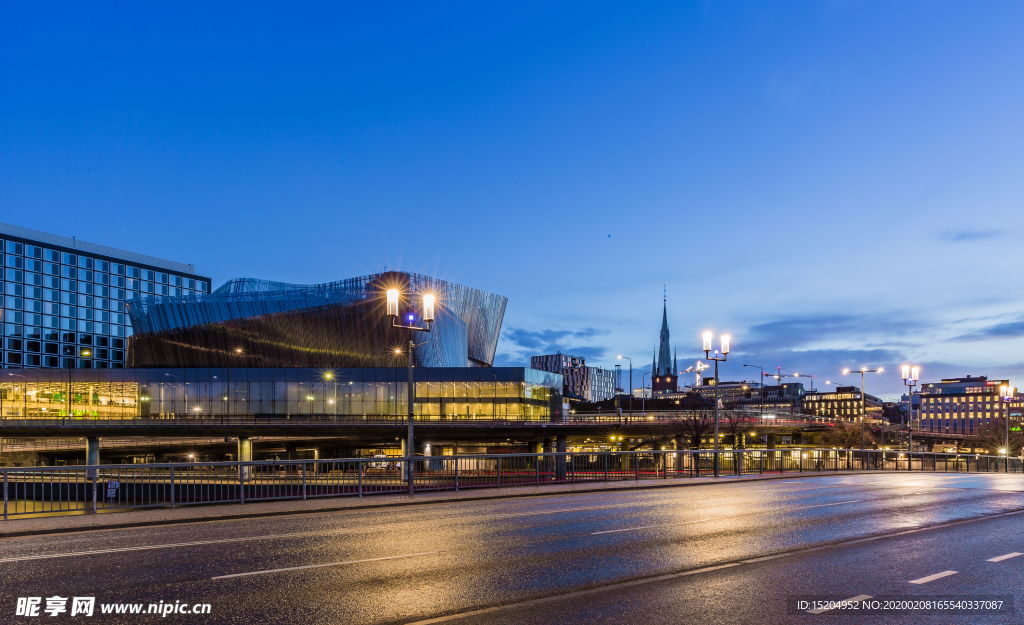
x=20, y=256
x=67, y=325
x=36, y=286
x=55, y=349
x=19, y=361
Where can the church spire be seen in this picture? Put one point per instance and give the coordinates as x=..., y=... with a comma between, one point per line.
x=664, y=364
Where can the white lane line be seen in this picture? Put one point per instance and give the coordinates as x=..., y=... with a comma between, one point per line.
x=1006, y=557
x=630, y=529
x=850, y=600
x=932, y=578
x=72, y=554
x=649, y=580
x=317, y=566
x=822, y=505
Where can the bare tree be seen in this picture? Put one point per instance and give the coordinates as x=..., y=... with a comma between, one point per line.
x=993, y=437
x=848, y=437
x=734, y=425
x=695, y=425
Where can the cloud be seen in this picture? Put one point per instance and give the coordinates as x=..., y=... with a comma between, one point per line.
x=520, y=344
x=964, y=236
x=793, y=332
x=1000, y=330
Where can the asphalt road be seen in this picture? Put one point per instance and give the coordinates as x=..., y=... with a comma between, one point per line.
x=672, y=555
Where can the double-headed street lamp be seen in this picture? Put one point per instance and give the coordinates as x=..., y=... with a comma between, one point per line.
x=863, y=399
x=1007, y=394
x=761, y=385
x=708, y=336
x=428, y=316
x=910, y=377
x=630, y=385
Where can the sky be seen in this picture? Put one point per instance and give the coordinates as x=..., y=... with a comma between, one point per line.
x=832, y=183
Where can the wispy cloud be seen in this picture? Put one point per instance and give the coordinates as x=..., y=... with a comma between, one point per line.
x=791, y=333
x=519, y=344
x=964, y=235
x=1010, y=329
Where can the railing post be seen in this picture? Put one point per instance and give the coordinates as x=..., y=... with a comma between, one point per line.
x=456, y=461
x=499, y=472
x=360, y=478
x=605, y=468
x=95, y=472
x=636, y=468
x=172, y=488
x=241, y=484
x=5, y=495
x=304, y=481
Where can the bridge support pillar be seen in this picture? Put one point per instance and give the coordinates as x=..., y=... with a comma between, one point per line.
x=244, y=455
x=561, y=444
x=770, y=441
x=92, y=452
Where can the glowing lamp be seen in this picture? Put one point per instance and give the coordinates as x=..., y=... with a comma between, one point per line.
x=725, y=343
x=707, y=341
x=428, y=307
x=392, y=302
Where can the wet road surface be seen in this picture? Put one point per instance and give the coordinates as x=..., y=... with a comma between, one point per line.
x=564, y=558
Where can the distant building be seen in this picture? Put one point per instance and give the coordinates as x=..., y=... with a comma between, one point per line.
x=590, y=384
x=729, y=393
x=843, y=403
x=64, y=301
x=959, y=405
x=665, y=373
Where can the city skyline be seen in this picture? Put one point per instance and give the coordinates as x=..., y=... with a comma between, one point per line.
x=835, y=185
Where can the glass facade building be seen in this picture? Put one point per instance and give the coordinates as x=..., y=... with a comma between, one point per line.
x=507, y=393
x=253, y=323
x=64, y=300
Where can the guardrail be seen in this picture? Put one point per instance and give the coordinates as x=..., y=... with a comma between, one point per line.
x=35, y=491
x=196, y=420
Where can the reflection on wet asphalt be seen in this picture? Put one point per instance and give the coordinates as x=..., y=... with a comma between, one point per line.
x=413, y=563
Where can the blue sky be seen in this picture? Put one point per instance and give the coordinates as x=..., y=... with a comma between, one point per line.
x=833, y=183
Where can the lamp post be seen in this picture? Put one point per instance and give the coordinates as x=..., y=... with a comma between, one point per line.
x=1006, y=393
x=428, y=316
x=643, y=394
x=630, y=384
x=761, y=384
x=707, y=356
x=910, y=377
x=863, y=399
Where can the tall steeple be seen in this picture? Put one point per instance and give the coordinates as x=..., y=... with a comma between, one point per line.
x=664, y=351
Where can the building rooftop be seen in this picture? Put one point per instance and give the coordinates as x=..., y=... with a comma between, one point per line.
x=93, y=248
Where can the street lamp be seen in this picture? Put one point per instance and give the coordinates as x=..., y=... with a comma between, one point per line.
x=428, y=316
x=1006, y=393
x=910, y=377
x=708, y=336
x=863, y=399
x=643, y=393
x=630, y=384
x=762, y=387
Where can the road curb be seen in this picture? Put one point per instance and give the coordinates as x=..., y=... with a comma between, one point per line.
x=398, y=504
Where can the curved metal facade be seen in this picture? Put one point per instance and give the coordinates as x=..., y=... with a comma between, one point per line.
x=255, y=323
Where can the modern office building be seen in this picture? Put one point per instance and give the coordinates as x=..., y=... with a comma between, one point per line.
x=843, y=403
x=959, y=405
x=254, y=323
x=64, y=300
x=590, y=384
x=442, y=393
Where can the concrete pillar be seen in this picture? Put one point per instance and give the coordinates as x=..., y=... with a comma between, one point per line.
x=244, y=455
x=561, y=445
x=770, y=441
x=92, y=450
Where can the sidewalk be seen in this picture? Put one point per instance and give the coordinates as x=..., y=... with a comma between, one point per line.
x=226, y=511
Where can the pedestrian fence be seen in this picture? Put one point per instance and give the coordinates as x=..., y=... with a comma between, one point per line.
x=35, y=491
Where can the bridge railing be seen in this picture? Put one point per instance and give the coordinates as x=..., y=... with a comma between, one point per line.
x=41, y=491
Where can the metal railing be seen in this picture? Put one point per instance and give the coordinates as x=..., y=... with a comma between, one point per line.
x=37, y=491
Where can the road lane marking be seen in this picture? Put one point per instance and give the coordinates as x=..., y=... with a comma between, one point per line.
x=645, y=527
x=1006, y=557
x=317, y=566
x=857, y=598
x=932, y=578
x=838, y=503
x=670, y=576
x=197, y=543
